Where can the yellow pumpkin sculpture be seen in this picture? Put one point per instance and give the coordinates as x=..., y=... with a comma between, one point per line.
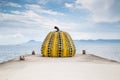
x=58, y=44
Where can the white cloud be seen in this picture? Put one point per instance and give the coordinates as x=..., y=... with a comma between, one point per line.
x=27, y=17
x=12, y=4
x=15, y=35
x=94, y=35
x=18, y=35
x=16, y=38
x=100, y=10
x=69, y=5
x=13, y=38
x=30, y=17
x=29, y=23
x=39, y=9
x=16, y=12
x=36, y=24
x=43, y=2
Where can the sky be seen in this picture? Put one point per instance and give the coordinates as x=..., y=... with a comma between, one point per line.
x=24, y=20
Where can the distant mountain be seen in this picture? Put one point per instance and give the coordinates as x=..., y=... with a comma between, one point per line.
x=77, y=42
x=82, y=41
x=32, y=42
x=98, y=41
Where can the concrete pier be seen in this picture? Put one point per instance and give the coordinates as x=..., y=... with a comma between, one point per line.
x=79, y=67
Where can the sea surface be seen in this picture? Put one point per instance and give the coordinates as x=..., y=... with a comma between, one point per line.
x=106, y=50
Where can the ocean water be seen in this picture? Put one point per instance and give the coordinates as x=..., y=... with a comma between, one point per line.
x=110, y=51
x=8, y=52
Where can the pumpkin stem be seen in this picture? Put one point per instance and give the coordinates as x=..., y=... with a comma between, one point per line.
x=57, y=28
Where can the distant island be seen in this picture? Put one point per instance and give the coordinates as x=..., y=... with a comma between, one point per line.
x=32, y=42
x=98, y=41
x=76, y=42
x=90, y=41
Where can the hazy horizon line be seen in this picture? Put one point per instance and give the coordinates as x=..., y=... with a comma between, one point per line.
x=42, y=41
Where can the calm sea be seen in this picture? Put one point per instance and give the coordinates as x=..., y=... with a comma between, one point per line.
x=110, y=51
